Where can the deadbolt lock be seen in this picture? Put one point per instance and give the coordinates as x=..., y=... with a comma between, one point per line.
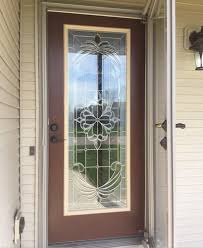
x=54, y=127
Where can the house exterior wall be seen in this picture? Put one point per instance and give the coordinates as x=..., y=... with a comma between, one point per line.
x=28, y=121
x=189, y=142
x=9, y=118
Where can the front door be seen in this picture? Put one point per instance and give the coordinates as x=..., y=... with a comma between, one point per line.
x=96, y=88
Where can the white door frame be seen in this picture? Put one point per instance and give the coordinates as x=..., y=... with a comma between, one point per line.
x=171, y=121
x=171, y=118
x=42, y=198
x=149, y=138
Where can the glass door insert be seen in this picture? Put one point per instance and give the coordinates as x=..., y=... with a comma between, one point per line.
x=97, y=120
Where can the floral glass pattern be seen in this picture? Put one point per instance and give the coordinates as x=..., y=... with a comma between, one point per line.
x=96, y=121
x=105, y=121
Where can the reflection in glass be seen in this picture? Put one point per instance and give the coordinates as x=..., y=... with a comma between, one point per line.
x=96, y=120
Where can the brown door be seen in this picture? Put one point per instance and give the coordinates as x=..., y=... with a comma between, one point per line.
x=96, y=78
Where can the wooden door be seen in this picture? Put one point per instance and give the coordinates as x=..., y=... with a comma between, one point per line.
x=96, y=86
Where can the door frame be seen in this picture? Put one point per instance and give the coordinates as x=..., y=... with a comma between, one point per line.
x=41, y=216
x=171, y=126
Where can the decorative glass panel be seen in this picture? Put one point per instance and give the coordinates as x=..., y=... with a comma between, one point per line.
x=97, y=166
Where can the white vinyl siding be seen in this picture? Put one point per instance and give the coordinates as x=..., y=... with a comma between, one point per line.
x=28, y=120
x=9, y=118
x=189, y=142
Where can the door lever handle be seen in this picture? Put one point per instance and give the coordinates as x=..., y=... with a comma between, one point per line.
x=54, y=139
x=162, y=125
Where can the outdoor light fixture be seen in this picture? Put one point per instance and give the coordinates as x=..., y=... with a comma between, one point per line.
x=196, y=40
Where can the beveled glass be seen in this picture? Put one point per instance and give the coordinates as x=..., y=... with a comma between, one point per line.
x=97, y=122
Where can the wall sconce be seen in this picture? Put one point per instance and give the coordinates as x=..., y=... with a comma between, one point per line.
x=196, y=40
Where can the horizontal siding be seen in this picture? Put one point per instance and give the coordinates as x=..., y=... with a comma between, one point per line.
x=189, y=142
x=28, y=120
x=9, y=117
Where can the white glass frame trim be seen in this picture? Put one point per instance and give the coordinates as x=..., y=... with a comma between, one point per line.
x=66, y=145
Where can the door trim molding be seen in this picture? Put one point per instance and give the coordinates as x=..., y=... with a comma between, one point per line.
x=41, y=23
x=149, y=133
x=93, y=10
x=171, y=118
x=43, y=131
x=171, y=86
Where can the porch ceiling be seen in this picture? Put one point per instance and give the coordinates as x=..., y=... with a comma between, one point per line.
x=127, y=4
x=190, y=2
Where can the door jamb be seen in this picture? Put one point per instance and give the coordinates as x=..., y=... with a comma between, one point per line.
x=42, y=219
x=149, y=133
x=171, y=118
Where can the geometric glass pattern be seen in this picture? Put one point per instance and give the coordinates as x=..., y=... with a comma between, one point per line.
x=96, y=121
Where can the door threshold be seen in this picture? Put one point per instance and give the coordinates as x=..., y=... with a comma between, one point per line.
x=126, y=242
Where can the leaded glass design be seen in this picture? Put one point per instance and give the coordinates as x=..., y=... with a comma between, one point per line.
x=96, y=120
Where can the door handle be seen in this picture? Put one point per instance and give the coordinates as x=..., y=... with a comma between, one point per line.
x=162, y=125
x=54, y=139
x=180, y=125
